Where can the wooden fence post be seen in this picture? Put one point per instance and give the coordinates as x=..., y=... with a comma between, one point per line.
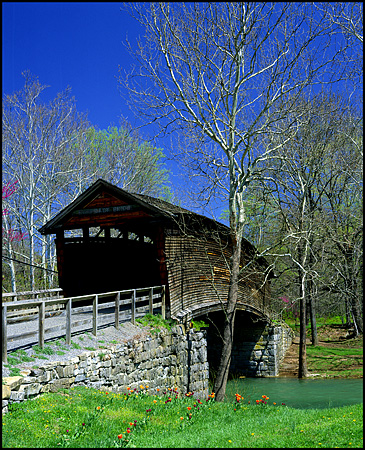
x=163, y=305
x=5, y=334
x=68, y=321
x=151, y=301
x=42, y=309
x=133, y=307
x=117, y=299
x=95, y=315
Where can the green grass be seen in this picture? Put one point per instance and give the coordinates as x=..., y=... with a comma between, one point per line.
x=82, y=417
x=330, y=351
x=15, y=358
x=156, y=322
x=321, y=321
x=336, y=362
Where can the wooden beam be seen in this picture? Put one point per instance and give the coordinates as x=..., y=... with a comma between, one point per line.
x=85, y=233
x=151, y=301
x=4, y=335
x=133, y=307
x=41, y=313
x=68, y=321
x=95, y=315
x=117, y=303
x=163, y=303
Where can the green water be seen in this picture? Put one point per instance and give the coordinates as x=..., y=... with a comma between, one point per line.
x=303, y=394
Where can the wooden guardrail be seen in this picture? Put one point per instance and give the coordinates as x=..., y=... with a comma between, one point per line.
x=45, y=294
x=134, y=296
x=14, y=296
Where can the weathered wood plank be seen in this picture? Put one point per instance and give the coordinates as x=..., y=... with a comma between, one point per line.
x=163, y=304
x=117, y=299
x=95, y=315
x=139, y=301
x=68, y=321
x=4, y=335
x=41, y=313
x=19, y=294
x=133, y=307
x=150, y=301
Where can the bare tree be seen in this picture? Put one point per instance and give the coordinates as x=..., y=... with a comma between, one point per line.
x=346, y=16
x=36, y=143
x=223, y=75
x=54, y=154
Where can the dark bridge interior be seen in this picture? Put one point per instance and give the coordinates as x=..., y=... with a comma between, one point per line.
x=108, y=264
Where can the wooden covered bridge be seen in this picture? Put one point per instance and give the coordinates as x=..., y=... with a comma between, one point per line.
x=109, y=240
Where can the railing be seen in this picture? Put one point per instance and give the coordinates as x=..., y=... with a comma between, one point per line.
x=134, y=296
x=13, y=296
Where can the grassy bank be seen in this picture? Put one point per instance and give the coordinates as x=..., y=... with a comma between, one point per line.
x=83, y=417
x=338, y=355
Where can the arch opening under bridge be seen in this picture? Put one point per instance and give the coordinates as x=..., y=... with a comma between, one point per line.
x=258, y=345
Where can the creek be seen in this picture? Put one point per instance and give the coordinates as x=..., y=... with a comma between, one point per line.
x=299, y=393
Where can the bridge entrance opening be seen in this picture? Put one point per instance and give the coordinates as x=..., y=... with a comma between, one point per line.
x=105, y=264
x=120, y=260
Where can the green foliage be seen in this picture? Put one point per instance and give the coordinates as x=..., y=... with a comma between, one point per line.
x=155, y=322
x=46, y=350
x=86, y=418
x=198, y=324
x=15, y=358
x=121, y=157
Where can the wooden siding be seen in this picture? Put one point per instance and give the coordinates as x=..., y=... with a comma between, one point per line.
x=198, y=272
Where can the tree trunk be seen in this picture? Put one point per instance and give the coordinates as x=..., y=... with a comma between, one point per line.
x=302, y=373
x=230, y=312
x=302, y=342
x=314, y=333
x=312, y=306
x=356, y=316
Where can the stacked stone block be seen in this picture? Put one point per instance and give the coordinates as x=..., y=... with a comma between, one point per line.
x=170, y=359
x=261, y=356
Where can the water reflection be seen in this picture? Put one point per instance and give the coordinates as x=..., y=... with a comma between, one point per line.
x=303, y=394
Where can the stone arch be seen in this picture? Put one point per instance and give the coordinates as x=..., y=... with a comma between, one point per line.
x=255, y=342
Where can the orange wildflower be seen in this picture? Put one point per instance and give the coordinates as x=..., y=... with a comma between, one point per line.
x=120, y=436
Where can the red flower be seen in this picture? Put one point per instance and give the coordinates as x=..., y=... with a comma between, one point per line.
x=120, y=436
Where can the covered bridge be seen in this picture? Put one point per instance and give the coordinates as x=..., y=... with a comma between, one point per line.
x=108, y=239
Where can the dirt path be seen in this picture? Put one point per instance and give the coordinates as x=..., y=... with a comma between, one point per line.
x=289, y=367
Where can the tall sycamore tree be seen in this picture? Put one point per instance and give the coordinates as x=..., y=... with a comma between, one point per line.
x=223, y=75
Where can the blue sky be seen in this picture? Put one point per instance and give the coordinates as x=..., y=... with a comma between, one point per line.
x=78, y=45
x=70, y=44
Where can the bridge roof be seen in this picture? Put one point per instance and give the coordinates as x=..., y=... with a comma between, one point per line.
x=155, y=207
x=68, y=217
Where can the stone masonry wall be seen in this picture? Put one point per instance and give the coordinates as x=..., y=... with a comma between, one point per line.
x=258, y=348
x=170, y=359
x=261, y=356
